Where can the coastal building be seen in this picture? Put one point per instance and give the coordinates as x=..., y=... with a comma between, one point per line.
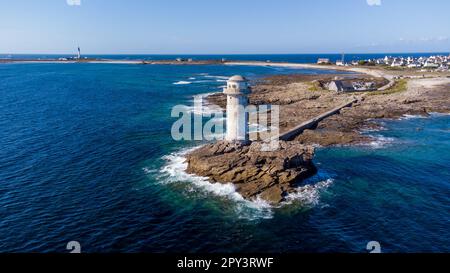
x=323, y=61
x=397, y=63
x=351, y=86
x=237, y=91
x=414, y=65
x=438, y=62
x=430, y=64
x=340, y=86
x=443, y=67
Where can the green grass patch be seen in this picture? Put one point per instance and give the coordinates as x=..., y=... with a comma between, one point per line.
x=399, y=86
x=394, y=68
x=314, y=86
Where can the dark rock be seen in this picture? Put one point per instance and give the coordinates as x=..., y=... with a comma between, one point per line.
x=269, y=175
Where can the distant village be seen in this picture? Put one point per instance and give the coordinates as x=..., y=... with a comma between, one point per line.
x=437, y=63
x=432, y=63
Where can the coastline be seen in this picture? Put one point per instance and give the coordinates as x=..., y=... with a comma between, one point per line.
x=421, y=96
x=371, y=71
x=262, y=175
x=109, y=61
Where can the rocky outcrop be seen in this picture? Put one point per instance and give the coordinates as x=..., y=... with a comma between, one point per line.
x=272, y=175
x=269, y=175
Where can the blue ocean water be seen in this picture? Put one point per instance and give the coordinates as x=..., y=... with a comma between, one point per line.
x=86, y=155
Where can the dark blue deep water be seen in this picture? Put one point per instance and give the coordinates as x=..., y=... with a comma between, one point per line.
x=87, y=155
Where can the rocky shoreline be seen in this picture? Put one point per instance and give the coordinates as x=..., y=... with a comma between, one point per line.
x=255, y=174
x=299, y=103
x=271, y=176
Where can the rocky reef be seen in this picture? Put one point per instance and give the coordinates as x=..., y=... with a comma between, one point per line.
x=269, y=175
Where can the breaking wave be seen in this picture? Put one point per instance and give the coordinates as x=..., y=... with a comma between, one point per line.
x=207, y=108
x=406, y=117
x=216, y=77
x=367, y=130
x=203, y=78
x=174, y=171
x=377, y=141
x=435, y=114
x=380, y=141
x=182, y=83
x=309, y=194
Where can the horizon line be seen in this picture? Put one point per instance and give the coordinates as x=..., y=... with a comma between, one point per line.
x=219, y=54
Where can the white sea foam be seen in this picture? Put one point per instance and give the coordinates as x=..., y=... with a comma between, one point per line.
x=406, y=117
x=174, y=171
x=202, y=81
x=380, y=141
x=204, y=78
x=148, y=170
x=216, y=77
x=309, y=194
x=372, y=129
x=211, y=78
x=182, y=83
x=207, y=108
x=435, y=114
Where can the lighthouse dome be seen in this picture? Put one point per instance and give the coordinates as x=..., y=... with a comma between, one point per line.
x=237, y=78
x=237, y=85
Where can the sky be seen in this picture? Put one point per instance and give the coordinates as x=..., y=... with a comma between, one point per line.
x=223, y=27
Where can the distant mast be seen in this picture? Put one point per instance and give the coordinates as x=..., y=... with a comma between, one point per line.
x=79, y=53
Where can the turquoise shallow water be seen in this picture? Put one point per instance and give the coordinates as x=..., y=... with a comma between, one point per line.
x=86, y=155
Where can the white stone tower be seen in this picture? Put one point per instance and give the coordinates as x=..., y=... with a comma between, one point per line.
x=237, y=118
